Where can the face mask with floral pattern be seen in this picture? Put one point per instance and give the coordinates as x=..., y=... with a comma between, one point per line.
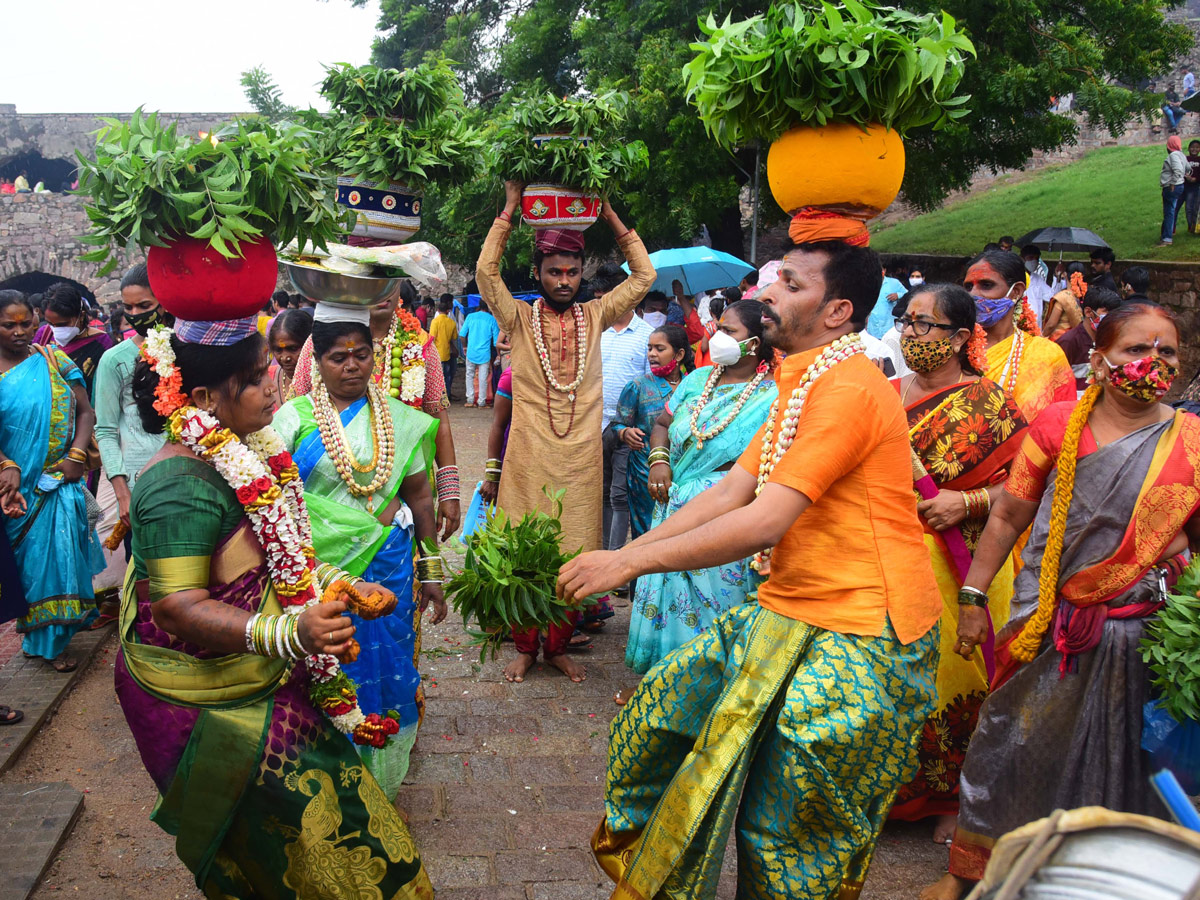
x=926, y=356
x=1146, y=380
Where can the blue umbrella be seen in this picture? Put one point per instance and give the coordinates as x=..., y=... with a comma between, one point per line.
x=699, y=269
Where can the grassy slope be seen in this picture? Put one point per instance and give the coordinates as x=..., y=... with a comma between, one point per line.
x=1113, y=191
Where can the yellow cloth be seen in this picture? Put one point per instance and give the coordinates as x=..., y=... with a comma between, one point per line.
x=21, y=183
x=1043, y=373
x=554, y=442
x=444, y=331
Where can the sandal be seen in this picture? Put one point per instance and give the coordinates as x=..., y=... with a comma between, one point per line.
x=102, y=621
x=10, y=716
x=579, y=641
x=63, y=663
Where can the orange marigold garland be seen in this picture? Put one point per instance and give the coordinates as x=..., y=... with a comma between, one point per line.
x=1026, y=320
x=1079, y=287
x=977, y=349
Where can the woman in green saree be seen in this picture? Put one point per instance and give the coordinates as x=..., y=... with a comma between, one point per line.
x=365, y=458
x=265, y=797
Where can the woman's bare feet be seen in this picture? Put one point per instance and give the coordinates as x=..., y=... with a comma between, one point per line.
x=948, y=887
x=943, y=829
x=567, y=666
x=517, y=669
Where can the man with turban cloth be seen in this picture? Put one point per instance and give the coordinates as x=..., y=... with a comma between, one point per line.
x=558, y=402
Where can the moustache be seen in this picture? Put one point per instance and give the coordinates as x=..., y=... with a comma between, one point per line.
x=769, y=313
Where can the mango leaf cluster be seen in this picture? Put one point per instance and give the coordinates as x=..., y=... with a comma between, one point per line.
x=594, y=157
x=509, y=576
x=408, y=126
x=1171, y=647
x=149, y=186
x=816, y=63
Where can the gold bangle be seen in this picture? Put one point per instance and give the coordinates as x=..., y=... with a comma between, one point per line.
x=77, y=455
x=9, y=464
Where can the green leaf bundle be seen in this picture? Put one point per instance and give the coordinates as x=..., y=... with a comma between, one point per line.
x=149, y=186
x=406, y=126
x=1171, y=647
x=594, y=157
x=509, y=577
x=816, y=62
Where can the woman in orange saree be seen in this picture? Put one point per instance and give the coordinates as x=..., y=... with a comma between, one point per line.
x=1111, y=486
x=965, y=431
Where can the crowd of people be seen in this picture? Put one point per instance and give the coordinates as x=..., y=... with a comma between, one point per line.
x=888, y=547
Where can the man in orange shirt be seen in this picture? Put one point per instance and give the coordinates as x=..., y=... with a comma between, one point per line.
x=806, y=704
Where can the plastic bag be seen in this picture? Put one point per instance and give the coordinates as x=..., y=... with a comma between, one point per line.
x=476, y=516
x=1172, y=745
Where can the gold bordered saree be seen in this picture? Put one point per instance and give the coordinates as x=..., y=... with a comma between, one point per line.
x=265, y=798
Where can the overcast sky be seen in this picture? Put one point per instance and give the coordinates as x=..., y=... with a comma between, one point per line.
x=173, y=55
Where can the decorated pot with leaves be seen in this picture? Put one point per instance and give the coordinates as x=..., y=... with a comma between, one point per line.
x=832, y=88
x=569, y=151
x=208, y=211
x=382, y=210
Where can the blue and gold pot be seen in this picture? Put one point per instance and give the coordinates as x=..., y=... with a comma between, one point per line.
x=386, y=212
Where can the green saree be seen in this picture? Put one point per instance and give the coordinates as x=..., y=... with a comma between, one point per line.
x=264, y=797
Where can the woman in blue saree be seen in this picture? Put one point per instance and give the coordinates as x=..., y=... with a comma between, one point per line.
x=710, y=419
x=46, y=422
x=367, y=532
x=641, y=403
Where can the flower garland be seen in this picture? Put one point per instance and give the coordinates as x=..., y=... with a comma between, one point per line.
x=1026, y=320
x=977, y=349
x=158, y=352
x=403, y=353
x=267, y=484
x=333, y=436
x=702, y=434
x=773, y=447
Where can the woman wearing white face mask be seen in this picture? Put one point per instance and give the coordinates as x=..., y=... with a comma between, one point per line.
x=709, y=420
x=67, y=316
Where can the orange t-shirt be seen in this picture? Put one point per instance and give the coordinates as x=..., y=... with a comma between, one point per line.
x=856, y=558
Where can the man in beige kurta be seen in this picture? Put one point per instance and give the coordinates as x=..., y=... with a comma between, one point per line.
x=554, y=439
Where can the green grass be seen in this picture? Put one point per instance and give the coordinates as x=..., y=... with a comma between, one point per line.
x=1113, y=191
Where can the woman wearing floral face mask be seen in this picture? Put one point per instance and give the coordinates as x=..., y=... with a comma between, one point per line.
x=965, y=431
x=1109, y=487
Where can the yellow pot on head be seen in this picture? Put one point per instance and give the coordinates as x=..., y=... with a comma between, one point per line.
x=841, y=166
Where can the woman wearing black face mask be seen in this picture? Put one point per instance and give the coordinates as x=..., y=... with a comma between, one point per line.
x=1062, y=727
x=965, y=430
x=67, y=315
x=125, y=447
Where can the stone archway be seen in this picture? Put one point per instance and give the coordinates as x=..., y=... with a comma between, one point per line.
x=56, y=174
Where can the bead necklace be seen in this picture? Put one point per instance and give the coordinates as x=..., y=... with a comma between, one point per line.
x=842, y=349
x=1012, y=366
x=539, y=339
x=551, y=381
x=707, y=434
x=333, y=436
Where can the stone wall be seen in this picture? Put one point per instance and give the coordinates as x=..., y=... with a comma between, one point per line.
x=41, y=233
x=59, y=135
x=1174, y=285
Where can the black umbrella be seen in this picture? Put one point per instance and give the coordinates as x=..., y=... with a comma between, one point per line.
x=1064, y=240
x=37, y=282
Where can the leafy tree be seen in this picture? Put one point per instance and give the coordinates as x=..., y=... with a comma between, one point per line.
x=1028, y=51
x=264, y=95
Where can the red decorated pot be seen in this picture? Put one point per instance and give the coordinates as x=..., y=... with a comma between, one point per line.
x=193, y=281
x=558, y=206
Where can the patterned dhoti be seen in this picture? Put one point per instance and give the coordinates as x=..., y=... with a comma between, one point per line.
x=814, y=730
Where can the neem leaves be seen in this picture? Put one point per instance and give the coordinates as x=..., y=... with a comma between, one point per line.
x=147, y=185
x=812, y=63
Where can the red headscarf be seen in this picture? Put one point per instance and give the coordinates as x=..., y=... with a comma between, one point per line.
x=1174, y=143
x=559, y=240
